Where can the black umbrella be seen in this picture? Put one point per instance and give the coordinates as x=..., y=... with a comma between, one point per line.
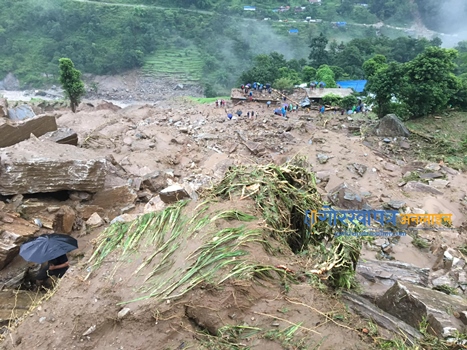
x=47, y=247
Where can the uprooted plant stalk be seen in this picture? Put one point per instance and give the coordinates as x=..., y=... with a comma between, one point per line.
x=282, y=193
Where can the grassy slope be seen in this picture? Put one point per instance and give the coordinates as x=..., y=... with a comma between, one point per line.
x=448, y=138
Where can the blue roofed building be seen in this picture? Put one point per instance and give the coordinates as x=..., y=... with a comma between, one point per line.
x=357, y=85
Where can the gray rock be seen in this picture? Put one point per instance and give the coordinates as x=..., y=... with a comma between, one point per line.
x=387, y=140
x=64, y=136
x=322, y=158
x=207, y=137
x=323, y=176
x=404, y=145
x=123, y=312
x=414, y=186
x=444, y=281
x=360, y=169
x=433, y=167
x=438, y=183
x=431, y=175
x=255, y=148
x=391, y=126
x=414, y=304
x=346, y=197
x=449, y=170
x=394, y=271
x=395, y=204
x=20, y=113
x=383, y=319
x=173, y=194
x=390, y=167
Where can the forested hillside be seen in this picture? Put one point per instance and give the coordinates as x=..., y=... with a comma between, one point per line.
x=205, y=41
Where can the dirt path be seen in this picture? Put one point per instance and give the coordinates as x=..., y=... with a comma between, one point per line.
x=143, y=6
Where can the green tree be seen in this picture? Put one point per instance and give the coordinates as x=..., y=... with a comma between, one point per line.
x=431, y=81
x=383, y=82
x=70, y=78
x=290, y=74
x=326, y=75
x=308, y=74
x=284, y=84
x=318, y=55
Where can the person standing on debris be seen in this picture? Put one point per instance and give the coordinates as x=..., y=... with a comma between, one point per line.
x=268, y=104
x=217, y=103
x=252, y=114
x=56, y=267
x=290, y=107
x=270, y=91
x=284, y=112
x=322, y=109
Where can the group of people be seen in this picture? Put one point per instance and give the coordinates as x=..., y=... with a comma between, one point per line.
x=249, y=88
x=220, y=103
x=359, y=108
x=316, y=85
x=285, y=108
x=250, y=115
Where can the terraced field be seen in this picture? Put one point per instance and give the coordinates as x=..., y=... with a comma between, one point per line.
x=184, y=64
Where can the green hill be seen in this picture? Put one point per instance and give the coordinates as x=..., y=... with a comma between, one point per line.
x=205, y=41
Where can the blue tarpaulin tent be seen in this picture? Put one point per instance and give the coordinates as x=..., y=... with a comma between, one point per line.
x=357, y=85
x=293, y=31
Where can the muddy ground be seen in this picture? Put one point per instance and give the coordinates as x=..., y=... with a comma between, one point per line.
x=195, y=144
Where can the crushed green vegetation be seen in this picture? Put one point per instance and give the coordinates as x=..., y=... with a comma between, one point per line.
x=227, y=238
x=281, y=193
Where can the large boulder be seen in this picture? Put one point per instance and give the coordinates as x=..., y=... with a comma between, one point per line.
x=35, y=166
x=12, y=235
x=346, y=197
x=12, y=133
x=391, y=126
x=64, y=136
x=376, y=276
x=116, y=200
x=383, y=319
x=20, y=113
x=414, y=186
x=414, y=304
